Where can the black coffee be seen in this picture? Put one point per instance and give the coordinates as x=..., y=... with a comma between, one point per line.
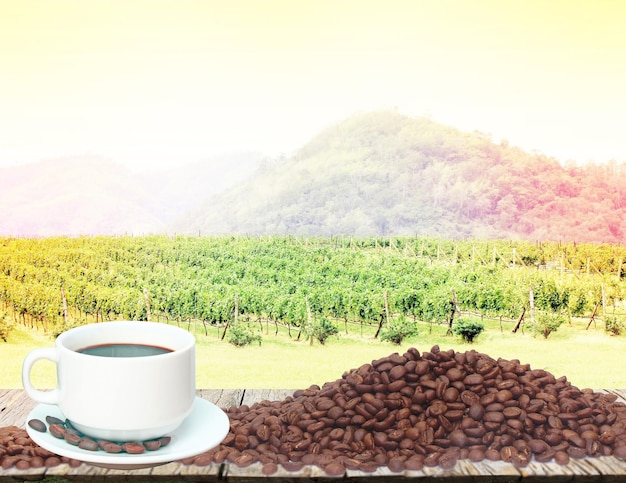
x=124, y=350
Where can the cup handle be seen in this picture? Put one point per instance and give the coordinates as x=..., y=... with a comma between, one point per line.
x=44, y=397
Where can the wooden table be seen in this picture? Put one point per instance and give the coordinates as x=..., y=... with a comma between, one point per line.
x=15, y=406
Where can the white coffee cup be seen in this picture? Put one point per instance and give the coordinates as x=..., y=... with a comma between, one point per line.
x=120, y=398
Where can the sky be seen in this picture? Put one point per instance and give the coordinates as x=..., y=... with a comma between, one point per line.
x=159, y=83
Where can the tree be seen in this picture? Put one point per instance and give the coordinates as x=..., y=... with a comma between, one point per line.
x=399, y=329
x=547, y=322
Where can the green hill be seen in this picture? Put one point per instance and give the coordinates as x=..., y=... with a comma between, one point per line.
x=383, y=173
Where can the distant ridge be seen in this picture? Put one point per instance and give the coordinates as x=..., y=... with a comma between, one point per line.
x=376, y=173
x=89, y=195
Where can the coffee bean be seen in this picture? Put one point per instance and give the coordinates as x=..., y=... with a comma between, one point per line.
x=110, y=447
x=243, y=460
x=414, y=462
x=72, y=438
x=55, y=420
x=422, y=367
x=57, y=431
x=470, y=398
x=396, y=464
x=52, y=461
x=397, y=372
x=576, y=452
x=537, y=418
x=269, y=468
x=37, y=425
x=22, y=464
x=476, y=455
x=493, y=417
x=538, y=446
x=335, y=469
x=14, y=449
x=203, y=459
x=512, y=412
x=88, y=444
x=133, y=447
x=458, y=438
x=476, y=412
x=152, y=445
x=620, y=452
x=520, y=460
x=607, y=437
x=473, y=380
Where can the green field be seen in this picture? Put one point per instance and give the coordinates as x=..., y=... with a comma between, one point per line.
x=589, y=358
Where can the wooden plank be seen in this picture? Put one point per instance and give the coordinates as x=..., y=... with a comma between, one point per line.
x=15, y=405
x=222, y=398
x=252, y=396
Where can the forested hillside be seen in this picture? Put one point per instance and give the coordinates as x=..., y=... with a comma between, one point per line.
x=384, y=173
x=374, y=174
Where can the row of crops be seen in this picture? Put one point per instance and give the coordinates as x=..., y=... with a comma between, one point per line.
x=56, y=282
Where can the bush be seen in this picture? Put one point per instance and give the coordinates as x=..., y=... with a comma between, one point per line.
x=613, y=326
x=241, y=335
x=467, y=329
x=547, y=322
x=322, y=330
x=397, y=330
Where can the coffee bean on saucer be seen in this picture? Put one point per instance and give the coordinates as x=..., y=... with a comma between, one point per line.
x=88, y=444
x=57, y=431
x=53, y=420
x=71, y=438
x=133, y=447
x=165, y=440
x=38, y=425
x=102, y=442
x=110, y=447
x=152, y=445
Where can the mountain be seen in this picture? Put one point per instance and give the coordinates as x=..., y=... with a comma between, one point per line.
x=376, y=173
x=382, y=173
x=74, y=196
x=94, y=196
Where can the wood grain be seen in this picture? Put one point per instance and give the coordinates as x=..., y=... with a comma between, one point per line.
x=14, y=407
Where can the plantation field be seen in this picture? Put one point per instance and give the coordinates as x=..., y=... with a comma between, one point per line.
x=589, y=358
x=342, y=288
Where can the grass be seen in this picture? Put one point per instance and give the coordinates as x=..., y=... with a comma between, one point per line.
x=589, y=358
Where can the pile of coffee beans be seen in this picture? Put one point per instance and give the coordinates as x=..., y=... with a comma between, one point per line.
x=406, y=412
x=19, y=451
x=411, y=411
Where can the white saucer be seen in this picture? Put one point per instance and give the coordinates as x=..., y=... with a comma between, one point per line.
x=203, y=429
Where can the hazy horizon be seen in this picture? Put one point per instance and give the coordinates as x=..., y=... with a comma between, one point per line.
x=160, y=83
